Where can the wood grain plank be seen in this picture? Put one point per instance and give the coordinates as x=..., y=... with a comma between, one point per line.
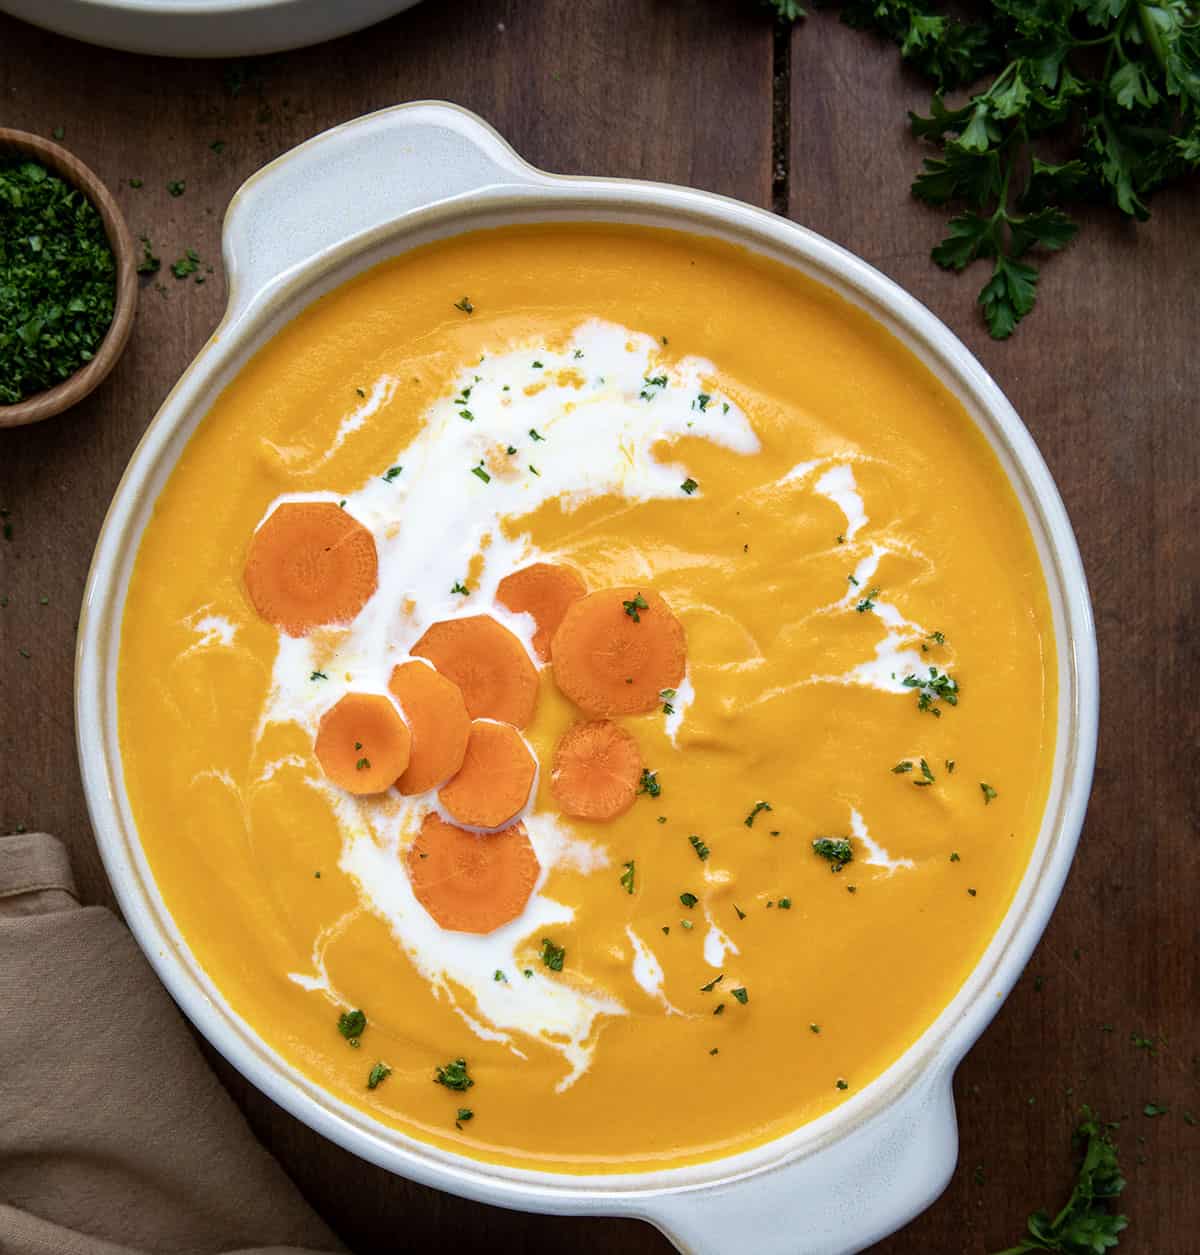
x=663, y=89
x=1105, y=374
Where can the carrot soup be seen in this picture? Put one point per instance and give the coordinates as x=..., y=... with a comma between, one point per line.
x=587, y=696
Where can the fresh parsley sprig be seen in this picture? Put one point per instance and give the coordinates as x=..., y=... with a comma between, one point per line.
x=1089, y=100
x=1086, y=1225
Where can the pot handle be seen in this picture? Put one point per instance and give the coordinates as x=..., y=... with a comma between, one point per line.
x=835, y=1202
x=350, y=180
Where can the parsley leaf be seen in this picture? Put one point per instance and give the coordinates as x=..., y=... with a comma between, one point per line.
x=627, y=877
x=351, y=1025
x=1086, y=1225
x=380, y=1072
x=552, y=955
x=702, y=851
x=837, y=850
x=454, y=1075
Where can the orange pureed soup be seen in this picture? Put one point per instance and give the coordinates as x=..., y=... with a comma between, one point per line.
x=777, y=572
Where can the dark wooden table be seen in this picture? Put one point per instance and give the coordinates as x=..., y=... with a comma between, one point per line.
x=1106, y=375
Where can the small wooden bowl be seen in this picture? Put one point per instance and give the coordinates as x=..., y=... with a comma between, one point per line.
x=75, y=387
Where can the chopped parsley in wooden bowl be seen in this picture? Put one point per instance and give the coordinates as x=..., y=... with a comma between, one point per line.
x=68, y=284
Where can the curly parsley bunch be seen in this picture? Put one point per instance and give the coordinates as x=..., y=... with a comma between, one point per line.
x=1116, y=83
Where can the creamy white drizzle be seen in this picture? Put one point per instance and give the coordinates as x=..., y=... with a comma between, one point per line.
x=581, y=422
x=877, y=855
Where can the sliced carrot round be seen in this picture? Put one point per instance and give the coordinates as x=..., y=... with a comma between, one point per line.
x=472, y=882
x=488, y=663
x=362, y=743
x=496, y=777
x=544, y=590
x=437, y=717
x=616, y=650
x=310, y=564
x=597, y=769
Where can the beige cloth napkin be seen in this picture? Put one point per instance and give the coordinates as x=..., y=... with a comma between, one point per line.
x=115, y=1137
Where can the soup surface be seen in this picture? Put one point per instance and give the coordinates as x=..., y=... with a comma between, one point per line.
x=822, y=820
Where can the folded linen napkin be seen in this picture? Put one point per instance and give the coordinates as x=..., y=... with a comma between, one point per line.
x=115, y=1137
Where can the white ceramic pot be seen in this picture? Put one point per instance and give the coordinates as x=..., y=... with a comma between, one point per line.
x=371, y=189
x=204, y=28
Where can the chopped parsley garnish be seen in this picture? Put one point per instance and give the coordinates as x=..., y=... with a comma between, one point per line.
x=738, y=911
x=852, y=580
x=667, y=695
x=971, y=893
x=785, y=904
x=454, y=1076
x=937, y=638
x=927, y=776
x=701, y=402
x=460, y=587
x=136, y=183
x=360, y=392
x=837, y=850
x=842, y=1084
x=868, y=602
x=1086, y=1223
x=712, y=984
x=841, y=540
x=759, y=807
x=814, y=1028
x=379, y=1073
x=511, y=450
x=363, y=764
x=716, y=1050
x=57, y=280
x=534, y=434
x=955, y=857
x=480, y=473
x=633, y=606
x=533, y=470
x=552, y=955
x=742, y=994
x=938, y=687
x=351, y=1025
x=148, y=263
x=950, y=766
x=498, y=975
x=176, y=187
x=649, y=783
x=686, y=923
x=465, y=305
x=988, y=793
x=689, y=485
x=627, y=876
x=537, y=366
x=467, y=415
x=186, y=265
x=391, y=473
x=658, y=381
x=464, y=1114
x=702, y=851
x=688, y=899
x=318, y=675
x=900, y=768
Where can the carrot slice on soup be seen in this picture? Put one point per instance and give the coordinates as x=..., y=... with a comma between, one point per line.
x=488, y=663
x=362, y=743
x=437, y=717
x=496, y=777
x=472, y=882
x=597, y=769
x=310, y=564
x=544, y=590
x=616, y=650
